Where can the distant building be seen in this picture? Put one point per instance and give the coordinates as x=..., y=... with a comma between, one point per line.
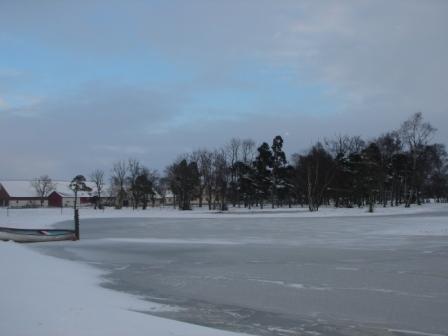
x=22, y=194
x=19, y=194
x=63, y=196
x=164, y=199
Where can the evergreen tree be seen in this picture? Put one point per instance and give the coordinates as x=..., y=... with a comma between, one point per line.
x=263, y=172
x=278, y=165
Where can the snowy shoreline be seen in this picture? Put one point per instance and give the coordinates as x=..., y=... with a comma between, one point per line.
x=34, y=218
x=43, y=295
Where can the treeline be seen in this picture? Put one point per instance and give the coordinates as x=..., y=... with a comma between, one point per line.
x=400, y=167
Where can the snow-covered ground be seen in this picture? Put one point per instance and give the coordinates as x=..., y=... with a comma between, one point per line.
x=46, y=217
x=42, y=295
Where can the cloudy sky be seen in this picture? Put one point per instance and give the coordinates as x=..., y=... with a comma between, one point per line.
x=86, y=83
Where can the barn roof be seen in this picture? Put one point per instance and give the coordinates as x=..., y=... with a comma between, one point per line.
x=63, y=189
x=19, y=188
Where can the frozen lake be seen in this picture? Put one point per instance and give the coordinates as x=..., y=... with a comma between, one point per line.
x=382, y=275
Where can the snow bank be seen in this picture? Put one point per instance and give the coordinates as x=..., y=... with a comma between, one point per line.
x=46, y=217
x=42, y=295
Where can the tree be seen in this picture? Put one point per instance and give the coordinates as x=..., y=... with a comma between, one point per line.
x=278, y=166
x=184, y=182
x=437, y=181
x=203, y=159
x=317, y=169
x=342, y=148
x=119, y=172
x=263, y=173
x=389, y=145
x=372, y=172
x=221, y=178
x=232, y=153
x=248, y=151
x=142, y=188
x=415, y=134
x=97, y=177
x=76, y=185
x=44, y=187
x=246, y=182
x=205, y=167
x=134, y=169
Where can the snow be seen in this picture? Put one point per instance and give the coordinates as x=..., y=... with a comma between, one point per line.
x=63, y=188
x=42, y=295
x=46, y=217
x=421, y=226
x=19, y=188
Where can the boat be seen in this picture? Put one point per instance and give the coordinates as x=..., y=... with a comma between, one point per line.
x=35, y=235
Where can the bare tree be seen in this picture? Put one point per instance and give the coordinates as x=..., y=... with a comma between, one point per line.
x=134, y=169
x=97, y=177
x=221, y=177
x=233, y=153
x=44, y=186
x=204, y=161
x=248, y=151
x=119, y=172
x=316, y=174
x=344, y=145
x=200, y=157
x=415, y=134
x=154, y=178
x=232, y=150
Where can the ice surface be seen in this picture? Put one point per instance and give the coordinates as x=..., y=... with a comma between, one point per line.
x=277, y=272
x=42, y=295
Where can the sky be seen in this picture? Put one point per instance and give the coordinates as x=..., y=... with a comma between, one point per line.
x=86, y=83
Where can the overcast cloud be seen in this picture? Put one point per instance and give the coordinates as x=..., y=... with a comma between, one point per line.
x=85, y=83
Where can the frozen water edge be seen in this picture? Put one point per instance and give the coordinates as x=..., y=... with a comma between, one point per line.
x=46, y=217
x=42, y=295
x=241, y=234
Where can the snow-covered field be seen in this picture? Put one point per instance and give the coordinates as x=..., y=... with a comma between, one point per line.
x=46, y=217
x=43, y=295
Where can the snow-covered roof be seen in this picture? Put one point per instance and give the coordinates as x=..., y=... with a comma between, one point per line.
x=24, y=188
x=63, y=189
x=19, y=188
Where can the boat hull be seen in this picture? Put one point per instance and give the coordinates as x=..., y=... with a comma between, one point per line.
x=34, y=236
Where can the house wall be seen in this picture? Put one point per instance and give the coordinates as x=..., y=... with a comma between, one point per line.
x=55, y=200
x=26, y=202
x=4, y=197
x=70, y=201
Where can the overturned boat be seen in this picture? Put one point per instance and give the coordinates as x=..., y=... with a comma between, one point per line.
x=33, y=235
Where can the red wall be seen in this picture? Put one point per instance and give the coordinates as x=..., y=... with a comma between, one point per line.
x=4, y=197
x=55, y=200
